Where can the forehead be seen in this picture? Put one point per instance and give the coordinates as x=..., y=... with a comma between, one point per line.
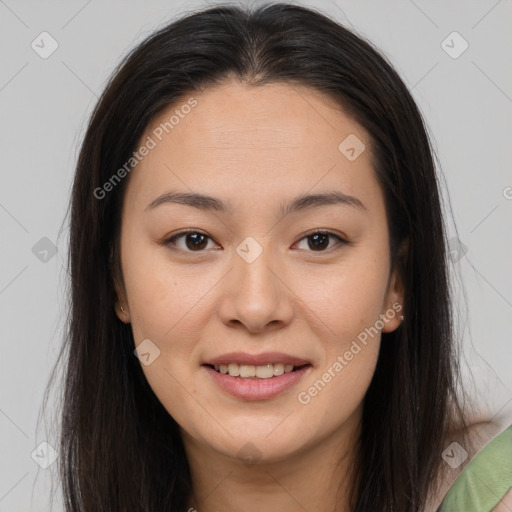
x=260, y=142
x=282, y=118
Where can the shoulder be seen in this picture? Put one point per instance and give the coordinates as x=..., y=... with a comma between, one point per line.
x=461, y=446
x=485, y=483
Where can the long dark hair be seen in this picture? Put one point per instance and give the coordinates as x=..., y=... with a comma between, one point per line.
x=120, y=449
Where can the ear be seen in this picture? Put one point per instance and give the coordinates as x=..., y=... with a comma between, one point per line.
x=394, y=300
x=120, y=295
x=120, y=302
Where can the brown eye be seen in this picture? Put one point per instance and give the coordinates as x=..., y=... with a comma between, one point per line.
x=319, y=241
x=194, y=241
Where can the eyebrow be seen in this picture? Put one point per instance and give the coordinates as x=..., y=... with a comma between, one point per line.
x=303, y=202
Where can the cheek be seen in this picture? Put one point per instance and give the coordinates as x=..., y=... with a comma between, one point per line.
x=336, y=394
x=170, y=306
x=344, y=301
x=163, y=296
x=344, y=312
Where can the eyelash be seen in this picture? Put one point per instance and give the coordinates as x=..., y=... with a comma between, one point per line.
x=171, y=241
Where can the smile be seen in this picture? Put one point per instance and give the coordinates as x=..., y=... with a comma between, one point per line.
x=248, y=371
x=252, y=387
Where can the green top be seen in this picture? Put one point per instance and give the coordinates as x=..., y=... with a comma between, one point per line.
x=485, y=480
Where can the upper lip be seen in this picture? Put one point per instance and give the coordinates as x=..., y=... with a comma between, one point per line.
x=257, y=359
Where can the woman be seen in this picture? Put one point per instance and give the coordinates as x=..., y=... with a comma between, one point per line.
x=260, y=304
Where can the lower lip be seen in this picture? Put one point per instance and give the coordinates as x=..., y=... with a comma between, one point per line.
x=254, y=388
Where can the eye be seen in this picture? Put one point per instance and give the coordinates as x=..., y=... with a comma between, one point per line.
x=318, y=241
x=193, y=241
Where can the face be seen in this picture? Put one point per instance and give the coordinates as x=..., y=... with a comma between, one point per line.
x=256, y=281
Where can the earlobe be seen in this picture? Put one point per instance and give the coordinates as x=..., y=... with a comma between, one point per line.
x=394, y=312
x=394, y=303
x=120, y=305
x=122, y=312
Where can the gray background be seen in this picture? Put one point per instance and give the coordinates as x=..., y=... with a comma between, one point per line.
x=44, y=107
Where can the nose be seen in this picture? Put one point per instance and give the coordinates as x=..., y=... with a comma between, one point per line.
x=257, y=295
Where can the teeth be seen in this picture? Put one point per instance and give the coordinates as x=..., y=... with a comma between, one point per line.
x=233, y=370
x=265, y=372
x=278, y=369
x=246, y=371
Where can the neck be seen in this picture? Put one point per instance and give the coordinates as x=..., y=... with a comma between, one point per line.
x=316, y=479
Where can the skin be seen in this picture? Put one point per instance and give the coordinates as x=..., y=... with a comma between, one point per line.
x=257, y=147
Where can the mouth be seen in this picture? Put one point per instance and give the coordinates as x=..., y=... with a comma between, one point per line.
x=256, y=377
x=248, y=371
